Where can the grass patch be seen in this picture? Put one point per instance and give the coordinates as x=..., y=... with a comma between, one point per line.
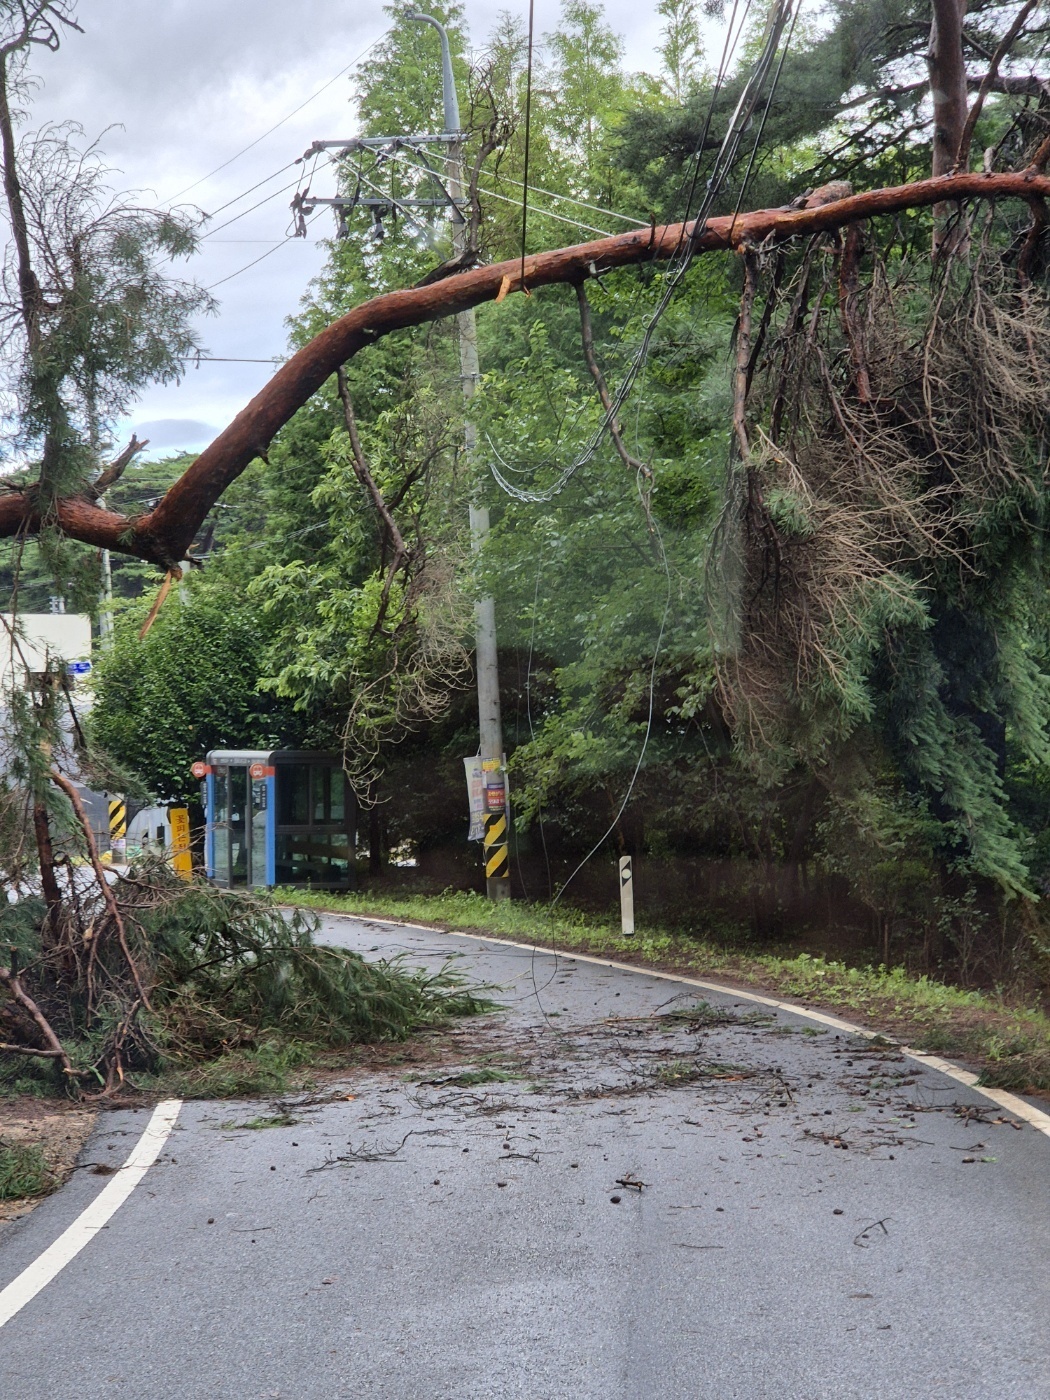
x=470, y=1077
x=274, y=1120
x=1010, y=1043
x=23, y=1172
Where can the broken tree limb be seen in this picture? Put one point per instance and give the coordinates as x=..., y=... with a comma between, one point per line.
x=112, y=908
x=18, y=994
x=962, y=158
x=587, y=339
x=117, y=467
x=363, y=472
x=164, y=534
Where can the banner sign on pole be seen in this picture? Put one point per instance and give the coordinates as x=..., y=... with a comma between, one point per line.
x=181, y=858
x=475, y=797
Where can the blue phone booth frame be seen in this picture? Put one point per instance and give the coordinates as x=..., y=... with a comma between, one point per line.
x=278, y=817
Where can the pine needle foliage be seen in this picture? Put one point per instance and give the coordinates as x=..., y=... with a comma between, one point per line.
x=240, y=994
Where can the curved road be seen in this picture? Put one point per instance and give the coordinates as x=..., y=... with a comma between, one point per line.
x=819, y=1217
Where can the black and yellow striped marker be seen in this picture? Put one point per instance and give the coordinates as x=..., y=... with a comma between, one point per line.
x=497, y=852
x=118, y=819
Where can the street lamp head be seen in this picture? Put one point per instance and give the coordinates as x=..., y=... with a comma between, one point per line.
x=448, y=82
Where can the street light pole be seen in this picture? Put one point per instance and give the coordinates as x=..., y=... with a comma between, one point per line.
x=496, y=851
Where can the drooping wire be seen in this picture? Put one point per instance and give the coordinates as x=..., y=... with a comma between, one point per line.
x=648, y=721
x=682, y=257
x=528, y=135
x=251, y=189
x=292, y=238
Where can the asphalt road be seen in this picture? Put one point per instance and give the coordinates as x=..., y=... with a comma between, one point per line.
x=819, y=1217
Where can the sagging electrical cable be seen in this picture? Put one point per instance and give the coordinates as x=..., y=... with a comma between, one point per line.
x=682, y=257
x=528, y=134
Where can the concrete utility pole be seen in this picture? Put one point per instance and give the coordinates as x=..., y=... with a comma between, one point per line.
x=496, y=851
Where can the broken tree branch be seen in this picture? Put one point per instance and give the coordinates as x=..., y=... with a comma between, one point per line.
x=962, y=158
x=615, y=431
x=743, y=356
x=364, y=475
x=112, y=908
x=116, y=468
x=849, y=296
x=164, y=534
x=9, y=977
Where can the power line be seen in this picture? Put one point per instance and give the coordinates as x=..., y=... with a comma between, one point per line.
x=251, y=189
x=528, y=134
x=254, y=263
x=292, y=238
x=681, y=259
x=283, y=190
x=293, y=113
x=553, y=194
x=506, y=199
x=547, y=213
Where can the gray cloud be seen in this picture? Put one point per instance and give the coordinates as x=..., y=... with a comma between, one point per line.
x=175, y=432
x=183, y=86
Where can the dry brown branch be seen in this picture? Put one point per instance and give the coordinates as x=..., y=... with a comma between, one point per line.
x=615, y=430
x=112, y=908
x=962, y=158
x=1030, y=246
x=158, y=602
x=865, y=502
x=112, y=474
x=849, y=296
x=1037, y=165
x=743, y=355
x=10, y=978
x=400, y=553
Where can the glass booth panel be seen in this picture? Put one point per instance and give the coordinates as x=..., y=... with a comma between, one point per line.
x=293, y=786
x=306, y=857
x=259, y=803
x=221, y=818
x=238, y=825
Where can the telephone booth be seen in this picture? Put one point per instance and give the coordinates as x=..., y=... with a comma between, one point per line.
x=278, y=817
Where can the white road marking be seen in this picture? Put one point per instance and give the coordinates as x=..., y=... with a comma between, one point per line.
x=71, y=1241
x=1018, y=1107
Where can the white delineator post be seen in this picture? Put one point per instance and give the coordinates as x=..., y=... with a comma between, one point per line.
x=626, y=897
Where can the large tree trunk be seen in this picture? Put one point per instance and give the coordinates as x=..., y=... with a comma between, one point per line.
x=164, y=535
x=947, y=70
x=947, y=82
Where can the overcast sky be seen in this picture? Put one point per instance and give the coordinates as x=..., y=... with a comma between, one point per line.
x=187, y=84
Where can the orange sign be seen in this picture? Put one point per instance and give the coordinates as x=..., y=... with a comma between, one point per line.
x=258, y=770
x=199, y=769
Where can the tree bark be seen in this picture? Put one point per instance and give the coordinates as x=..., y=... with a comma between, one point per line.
x=28, y=285
x=163, y=535
x=947, y=71
x=48, y=879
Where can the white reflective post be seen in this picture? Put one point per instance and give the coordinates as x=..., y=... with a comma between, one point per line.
x=626, y=897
